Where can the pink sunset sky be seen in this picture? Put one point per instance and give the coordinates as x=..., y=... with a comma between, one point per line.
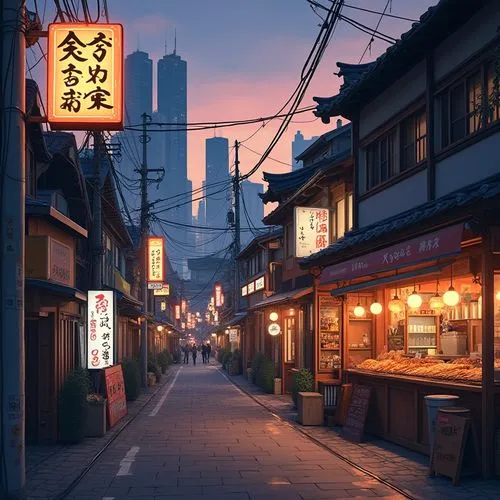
x=244, y=60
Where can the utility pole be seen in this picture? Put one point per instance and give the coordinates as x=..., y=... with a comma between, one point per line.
x=237, y=238
x=12, y=191
x=144, y=234
x=97, y=250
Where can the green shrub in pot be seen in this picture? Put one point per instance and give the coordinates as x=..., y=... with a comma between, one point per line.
x=265, y=375
x=131, y=378
x=302, y=381
x=256, y=361
x=73, y=406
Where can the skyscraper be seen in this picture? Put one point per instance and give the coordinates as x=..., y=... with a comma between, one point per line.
x=139, y=87
x=172, y=105
x=138, y=99
x=299, y=145
x=252, y=209
x=217, y=196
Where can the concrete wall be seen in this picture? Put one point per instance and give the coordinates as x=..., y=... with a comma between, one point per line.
x=402, y=196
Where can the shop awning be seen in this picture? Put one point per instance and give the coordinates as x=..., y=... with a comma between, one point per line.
x=236, y=319
x=430, y=246
x=387, y=279
x=57, y=289
x=280, y=298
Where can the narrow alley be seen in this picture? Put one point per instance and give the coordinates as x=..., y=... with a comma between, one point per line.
x=202, y=437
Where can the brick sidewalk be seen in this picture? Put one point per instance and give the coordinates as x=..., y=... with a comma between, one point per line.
x=403, y=468
x=51, y=469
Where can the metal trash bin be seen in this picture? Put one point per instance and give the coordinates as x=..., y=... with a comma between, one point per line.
x=434, y=402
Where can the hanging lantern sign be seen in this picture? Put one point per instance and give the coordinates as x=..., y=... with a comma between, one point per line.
x=155, y=260
x=218, y=294
x=177, y=311
x=100, y=328
x=163, y=305
x=85, y=76
x=162, y=292
x=184, y=306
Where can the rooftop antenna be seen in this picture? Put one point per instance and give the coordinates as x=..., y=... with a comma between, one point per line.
x=165, y=46
x=138, y=42
x=175, y=41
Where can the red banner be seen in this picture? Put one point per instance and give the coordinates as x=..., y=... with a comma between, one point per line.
x=430, y=246
x=115, y=394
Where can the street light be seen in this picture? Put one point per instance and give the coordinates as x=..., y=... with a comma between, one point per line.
x=159, y=328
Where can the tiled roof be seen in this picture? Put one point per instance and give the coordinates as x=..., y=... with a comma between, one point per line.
x=459, y=200
x=281, y=184
x=364, y=81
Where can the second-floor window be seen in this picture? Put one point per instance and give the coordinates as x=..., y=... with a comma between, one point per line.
x=397, y=151
x=469, y=104
x=413, y=140
x=381, y=160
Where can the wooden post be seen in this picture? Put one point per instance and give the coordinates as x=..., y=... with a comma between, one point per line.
x=488, y=389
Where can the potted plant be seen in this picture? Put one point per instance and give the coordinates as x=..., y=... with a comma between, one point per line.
x=95, y=422
x=131, y=378
x=72, y=406
x=302, y=381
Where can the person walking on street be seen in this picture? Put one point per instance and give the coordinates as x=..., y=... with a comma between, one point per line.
x=209, y=350
x=186, y=354
x=204, y=353
x=194, y=352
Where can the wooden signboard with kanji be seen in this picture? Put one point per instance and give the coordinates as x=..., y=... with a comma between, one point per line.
x=354, y=426
x=455, y=450
x=115, y=394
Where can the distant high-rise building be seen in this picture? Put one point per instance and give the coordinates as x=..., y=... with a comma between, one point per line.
x=138, y=99
x=139, y=88
x=172, y=105
x=251, y=209
x=217, y=196
x=299, y=145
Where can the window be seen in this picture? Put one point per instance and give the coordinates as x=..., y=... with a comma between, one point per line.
x=340, y=218
x=381, y=160
x=350, y=222
x=413, y=140
x=493, y=91
x=469, y=104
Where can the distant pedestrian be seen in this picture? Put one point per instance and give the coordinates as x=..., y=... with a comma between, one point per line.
x=204, y=353
x=194, y=352
x=209, y=350
x=186, y=354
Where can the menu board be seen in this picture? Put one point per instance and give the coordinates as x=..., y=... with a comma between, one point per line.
x=354, y=426
x=329, y=333
x=455, y=442
x=115, y=394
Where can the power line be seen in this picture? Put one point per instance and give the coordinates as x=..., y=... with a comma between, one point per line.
x=270, y=157
x=193, y=126
x=377, y=12
x=372, y=39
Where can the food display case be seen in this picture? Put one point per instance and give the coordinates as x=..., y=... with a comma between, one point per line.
x=330, y=342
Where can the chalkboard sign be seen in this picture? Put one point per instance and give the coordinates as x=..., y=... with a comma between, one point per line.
x=115, y=393
x=343, y=406
x=354, y=426
x=455, y=439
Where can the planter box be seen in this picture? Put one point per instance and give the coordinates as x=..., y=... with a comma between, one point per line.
x=151, y=379
x=310, y=406
x=95, y=420
x=277, y=386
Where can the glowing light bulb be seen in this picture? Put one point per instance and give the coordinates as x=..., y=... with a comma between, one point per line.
x=273, y=316
x=376, y=308
x=436, y=302
x=414, y=300
x=359, y=311
x=451, y=297
x=396, y=305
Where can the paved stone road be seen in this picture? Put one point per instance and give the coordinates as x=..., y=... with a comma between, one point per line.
x=203, y=438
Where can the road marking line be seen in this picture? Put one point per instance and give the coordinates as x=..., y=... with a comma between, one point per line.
x=162, y=400
x=232, y=384
x=127, y=461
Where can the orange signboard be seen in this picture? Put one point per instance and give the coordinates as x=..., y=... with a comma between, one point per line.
x=115, y=394
x=155, y=259
x=85, y=76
